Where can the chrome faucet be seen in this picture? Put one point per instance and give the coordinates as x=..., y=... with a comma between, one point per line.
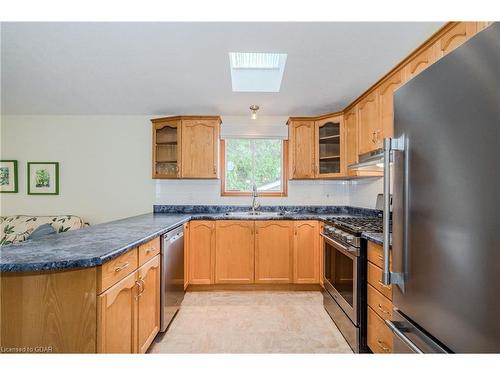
x=255, y=205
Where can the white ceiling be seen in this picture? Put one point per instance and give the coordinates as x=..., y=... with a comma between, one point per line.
x=183, y=68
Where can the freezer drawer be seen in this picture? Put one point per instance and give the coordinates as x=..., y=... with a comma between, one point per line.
x=407, y=338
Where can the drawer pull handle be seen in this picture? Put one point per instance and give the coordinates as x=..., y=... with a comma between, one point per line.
x=122, y=267
x=382, y=309
x=383, y=285
x=382, y=346
x=149, y=250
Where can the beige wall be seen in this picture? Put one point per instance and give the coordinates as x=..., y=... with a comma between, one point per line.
x=105, y=170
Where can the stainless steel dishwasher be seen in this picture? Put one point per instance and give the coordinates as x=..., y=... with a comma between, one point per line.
x=172, y=275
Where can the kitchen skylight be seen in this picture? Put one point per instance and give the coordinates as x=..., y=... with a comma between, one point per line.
x=256, y=71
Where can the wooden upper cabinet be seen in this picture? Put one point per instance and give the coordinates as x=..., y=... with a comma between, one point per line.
x=386, y=106
x=117, y=317
x=166, y=148
x=306, y=252
x=201, y=252
x=454, y=37
x=273, y=251
x=368, y=123
x=329, y=147
x=148, y=303
x=301, y=139
x=482, y=25
x=351, y=136
x=200, y=148
x=186, y=147
x=421, y=61
x=234, y=252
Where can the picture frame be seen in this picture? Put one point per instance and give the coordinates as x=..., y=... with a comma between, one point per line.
x=43, y=178
x=9, y=181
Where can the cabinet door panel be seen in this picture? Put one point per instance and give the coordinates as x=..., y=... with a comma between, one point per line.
x=200, y=148
x=329, y=147
x=166, y=148
x=420, y=62
x=386, y=103
x=234, y=252
x=351, y=131
x=148, y=323
x=379, y=336
x=306, y=252
x=301, y=145
x=117, y=317
x=201, y=252
x=455, y=37
x=368, y=118
x=273, y=251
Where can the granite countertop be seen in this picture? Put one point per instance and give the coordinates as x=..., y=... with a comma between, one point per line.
x=376, y=237
x=86, y=247
x=95, y=245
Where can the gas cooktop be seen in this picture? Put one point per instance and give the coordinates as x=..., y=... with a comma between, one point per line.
x=356, y=225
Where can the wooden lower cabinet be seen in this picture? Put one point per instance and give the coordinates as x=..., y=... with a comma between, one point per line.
x=253, y=252
x=148, y=300
x=234, y=252
x=375, y=280
x=379, y=303
x=379, y=335
x=380, y=307
x=306, y=252
x=117, y=317
x=201, y=252
x=274, y=251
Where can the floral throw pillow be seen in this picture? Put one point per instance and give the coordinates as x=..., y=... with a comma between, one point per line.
x=18, y=228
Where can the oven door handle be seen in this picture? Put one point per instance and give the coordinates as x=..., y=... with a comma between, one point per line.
x=353, y=254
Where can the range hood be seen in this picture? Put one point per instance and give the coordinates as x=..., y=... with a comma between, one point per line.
x=373, y=161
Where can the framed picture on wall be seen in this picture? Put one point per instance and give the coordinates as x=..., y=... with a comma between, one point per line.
x=8, y=176
x=43, y=178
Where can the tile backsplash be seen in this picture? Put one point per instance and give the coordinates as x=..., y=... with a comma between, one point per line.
x=359, y=193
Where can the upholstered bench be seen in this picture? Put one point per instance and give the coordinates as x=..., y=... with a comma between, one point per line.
x=19, y=227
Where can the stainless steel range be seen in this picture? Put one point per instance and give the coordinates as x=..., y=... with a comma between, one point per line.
x=344, y=294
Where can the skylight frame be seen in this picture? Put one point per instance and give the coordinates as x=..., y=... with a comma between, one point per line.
x=256, y=60
x=257, y=71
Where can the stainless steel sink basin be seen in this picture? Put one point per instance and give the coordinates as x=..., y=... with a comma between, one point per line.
x=253, y=213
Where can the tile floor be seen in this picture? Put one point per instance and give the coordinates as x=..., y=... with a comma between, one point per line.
x=251, y=322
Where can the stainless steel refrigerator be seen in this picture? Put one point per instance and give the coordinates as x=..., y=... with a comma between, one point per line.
x=445, y=161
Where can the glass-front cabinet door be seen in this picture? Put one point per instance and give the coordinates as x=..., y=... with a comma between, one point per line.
x=166, y=148
x=330, y=147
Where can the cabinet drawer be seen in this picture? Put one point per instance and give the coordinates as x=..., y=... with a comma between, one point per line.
x=113, y=271
x=376, y=254
x=381, y=305
x=375, y=280
x=148, y=250
x=379, y=335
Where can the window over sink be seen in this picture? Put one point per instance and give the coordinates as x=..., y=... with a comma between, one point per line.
x=254, y=161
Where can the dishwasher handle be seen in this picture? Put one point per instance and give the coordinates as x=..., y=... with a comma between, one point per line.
x=173, y=235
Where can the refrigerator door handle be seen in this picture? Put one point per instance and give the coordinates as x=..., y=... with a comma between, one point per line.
x=391, y=145
x=386, y=276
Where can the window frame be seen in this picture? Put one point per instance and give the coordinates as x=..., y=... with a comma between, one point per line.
x=284, y=176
